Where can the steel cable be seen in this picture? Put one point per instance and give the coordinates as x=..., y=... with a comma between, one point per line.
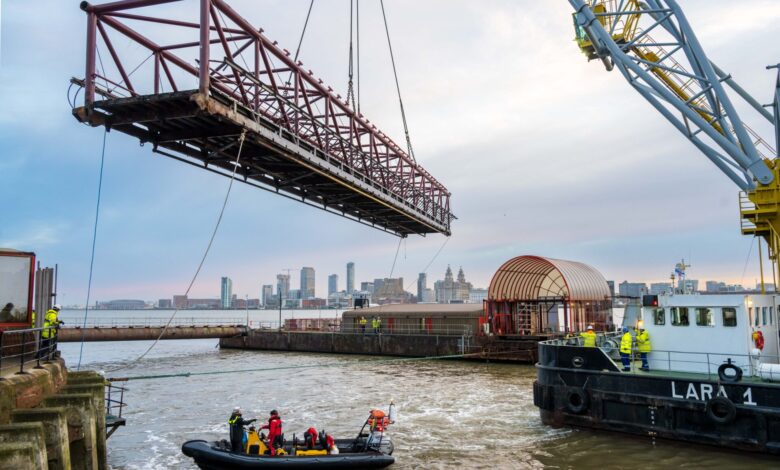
x=94, y=240
x=202, y=259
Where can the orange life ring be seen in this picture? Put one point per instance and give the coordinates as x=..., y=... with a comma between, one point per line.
x=758, y=340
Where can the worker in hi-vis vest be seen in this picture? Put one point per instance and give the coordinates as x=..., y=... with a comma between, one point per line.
x=626, y=348
x=589, y=337
x=643, y=345
x=51, y=322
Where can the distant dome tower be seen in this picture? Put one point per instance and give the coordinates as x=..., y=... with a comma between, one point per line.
x=461, y=276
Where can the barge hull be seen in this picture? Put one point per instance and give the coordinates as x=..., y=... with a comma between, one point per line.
x=740, y=415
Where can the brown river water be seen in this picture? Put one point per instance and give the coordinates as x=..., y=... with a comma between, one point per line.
x=451, y=414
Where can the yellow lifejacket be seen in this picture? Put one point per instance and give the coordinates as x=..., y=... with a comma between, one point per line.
x=625, y=343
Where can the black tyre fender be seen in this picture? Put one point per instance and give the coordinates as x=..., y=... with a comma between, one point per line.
x=576, y=400
x=721, y=410
x=729, y=378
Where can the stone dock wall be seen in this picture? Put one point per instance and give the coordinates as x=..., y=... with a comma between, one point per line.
x=53, y=419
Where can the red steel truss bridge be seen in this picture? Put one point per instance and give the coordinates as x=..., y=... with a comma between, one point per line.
x=193, y=100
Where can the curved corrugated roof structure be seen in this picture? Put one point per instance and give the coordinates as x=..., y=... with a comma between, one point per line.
x=535, y=277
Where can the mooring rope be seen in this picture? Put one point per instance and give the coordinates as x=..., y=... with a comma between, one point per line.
x=303, y=366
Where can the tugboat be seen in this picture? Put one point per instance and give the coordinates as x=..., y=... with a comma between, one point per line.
x=713, y=375
x=371, y=448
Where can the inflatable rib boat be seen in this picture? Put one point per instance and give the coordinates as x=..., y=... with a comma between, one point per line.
x=352, y=454
x=372, y=448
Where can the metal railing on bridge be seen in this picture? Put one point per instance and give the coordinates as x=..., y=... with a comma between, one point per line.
x=155, y=322
x=26, y=348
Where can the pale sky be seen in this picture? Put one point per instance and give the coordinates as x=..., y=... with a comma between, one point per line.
x=544, y=153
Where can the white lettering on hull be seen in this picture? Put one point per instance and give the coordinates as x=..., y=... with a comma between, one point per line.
x=704, y=392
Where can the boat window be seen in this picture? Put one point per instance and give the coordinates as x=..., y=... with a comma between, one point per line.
x=704, y=317
x=659, y=316
x=771, y=314
x=679, y=316
x=763, y=316
x=754, y=317
x=729, y=316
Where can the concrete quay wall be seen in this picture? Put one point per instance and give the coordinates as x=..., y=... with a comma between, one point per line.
x=53, y=419
x=340, y=343
x=515, y=350
x=147, y=333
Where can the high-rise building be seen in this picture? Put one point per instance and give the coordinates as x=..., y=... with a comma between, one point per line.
x=367, y=287
x=657, y=288
x=180, y=301
x=267, y=294
x=632, y=289
x=422, y=284
x=283, y=285
x=715, y=286
x=350, y=277
x=611, y=285
x=226, y=296
x=307, y=283
x=333, y=284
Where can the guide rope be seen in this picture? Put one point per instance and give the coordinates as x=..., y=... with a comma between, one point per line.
x=94, y=240
x=397, y=86
x=302, y=366
x=202, y=259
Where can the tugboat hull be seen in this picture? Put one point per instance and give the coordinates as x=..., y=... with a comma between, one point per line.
x=582, y=387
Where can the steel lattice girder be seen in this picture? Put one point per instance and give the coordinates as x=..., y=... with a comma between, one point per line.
x=305, y=128
x=693, y=101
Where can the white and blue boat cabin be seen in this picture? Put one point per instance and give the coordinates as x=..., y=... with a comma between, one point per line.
x=698, y=333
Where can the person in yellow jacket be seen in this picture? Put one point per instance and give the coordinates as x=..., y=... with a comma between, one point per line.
x=51, y=322
x=362, y=324
x=643, y=345
x=626, y=348
x=589, y=337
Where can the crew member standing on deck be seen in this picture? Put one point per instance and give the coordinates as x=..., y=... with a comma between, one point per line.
x=363, y=324
x=237, y=423
x=589, y=337
x=643, y=345
x=274, y=428
x=626, y=343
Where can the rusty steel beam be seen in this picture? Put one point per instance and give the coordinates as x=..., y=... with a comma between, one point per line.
x=73, y=335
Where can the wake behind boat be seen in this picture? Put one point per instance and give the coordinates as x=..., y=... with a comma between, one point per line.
x=370, y=449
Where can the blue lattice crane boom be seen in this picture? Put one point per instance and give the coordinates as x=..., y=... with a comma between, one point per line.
x=672, y=72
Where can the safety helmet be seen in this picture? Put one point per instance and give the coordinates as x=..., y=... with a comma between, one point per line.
x=590, y=327
x=57, y=307
x=237, y=409
x=625, y=329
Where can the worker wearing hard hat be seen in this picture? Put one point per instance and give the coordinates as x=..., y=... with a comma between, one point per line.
x=589, y=337
x=237, y=423
x=643, y=345
x=51, y=323
x=626, y=349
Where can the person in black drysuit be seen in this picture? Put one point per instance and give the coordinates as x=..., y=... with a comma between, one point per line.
x=237, y=423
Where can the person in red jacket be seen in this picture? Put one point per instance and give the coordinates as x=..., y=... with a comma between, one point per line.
x=274, y=428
